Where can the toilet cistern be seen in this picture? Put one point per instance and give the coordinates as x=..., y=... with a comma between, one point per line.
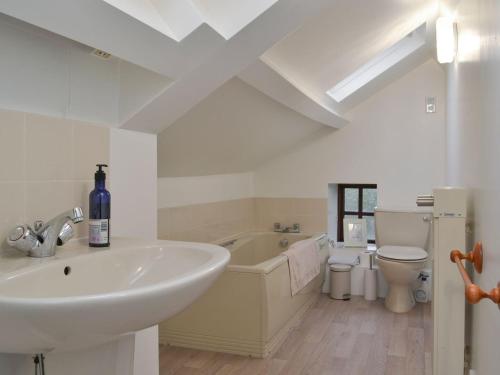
x=42, y=240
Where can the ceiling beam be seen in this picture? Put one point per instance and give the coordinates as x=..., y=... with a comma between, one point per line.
x=245, y=47
x=269, y=82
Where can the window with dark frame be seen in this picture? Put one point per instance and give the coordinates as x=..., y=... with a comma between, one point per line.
x=357, y=201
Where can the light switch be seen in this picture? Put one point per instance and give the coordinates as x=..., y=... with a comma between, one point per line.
x=430, y=104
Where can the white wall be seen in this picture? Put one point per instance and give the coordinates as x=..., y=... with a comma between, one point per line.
x=134, y=214
x=48, y=74
x=234, y=130
x=391, y=141
x=183, y=191
x=133, y=183
x=333, y=214
x=473, y=154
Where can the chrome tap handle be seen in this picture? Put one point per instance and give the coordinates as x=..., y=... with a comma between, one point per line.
x=23, y=238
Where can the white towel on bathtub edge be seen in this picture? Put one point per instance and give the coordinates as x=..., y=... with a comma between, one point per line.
x=304, y=263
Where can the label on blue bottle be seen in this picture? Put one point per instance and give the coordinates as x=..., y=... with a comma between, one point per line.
x=99, y=231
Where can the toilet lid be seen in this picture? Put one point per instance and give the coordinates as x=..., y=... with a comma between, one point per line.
x=402, y=253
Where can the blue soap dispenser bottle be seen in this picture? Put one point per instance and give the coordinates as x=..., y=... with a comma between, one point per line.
x=99, y=211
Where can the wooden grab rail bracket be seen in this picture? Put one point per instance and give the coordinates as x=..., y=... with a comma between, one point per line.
x=473, y=293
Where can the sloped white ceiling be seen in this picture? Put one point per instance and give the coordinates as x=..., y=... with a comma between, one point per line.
x=200, y=63
x=179, y=18
x=235, y=129
x=226, y=62
x=330, y=47
x=319, y=43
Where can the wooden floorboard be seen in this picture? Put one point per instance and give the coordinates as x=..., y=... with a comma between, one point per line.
x=334, y=338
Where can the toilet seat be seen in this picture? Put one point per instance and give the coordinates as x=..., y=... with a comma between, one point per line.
x=405, y=254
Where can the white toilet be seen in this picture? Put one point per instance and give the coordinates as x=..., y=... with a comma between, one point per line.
x=402, y=238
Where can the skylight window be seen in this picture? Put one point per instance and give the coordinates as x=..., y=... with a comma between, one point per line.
x=378, y=65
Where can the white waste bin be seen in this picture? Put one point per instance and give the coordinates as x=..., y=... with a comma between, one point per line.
x=340, y=281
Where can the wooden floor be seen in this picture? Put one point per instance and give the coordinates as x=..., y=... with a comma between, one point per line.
x=335, y=337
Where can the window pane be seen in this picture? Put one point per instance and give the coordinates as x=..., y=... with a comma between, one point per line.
x=370, y=227
x=350, y=216
x=369, y=200
x=351, y=199
x=347, y=217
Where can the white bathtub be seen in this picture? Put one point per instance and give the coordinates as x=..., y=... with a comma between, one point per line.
x=249, y=310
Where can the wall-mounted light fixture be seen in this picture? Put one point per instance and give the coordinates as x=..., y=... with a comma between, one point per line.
x=446, y=40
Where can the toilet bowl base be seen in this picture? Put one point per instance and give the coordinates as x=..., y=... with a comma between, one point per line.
x=400, y=299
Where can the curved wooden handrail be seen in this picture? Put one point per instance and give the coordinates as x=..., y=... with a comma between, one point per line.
x=473, y=293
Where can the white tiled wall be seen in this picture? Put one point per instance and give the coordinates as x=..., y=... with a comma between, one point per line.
x=46, y=167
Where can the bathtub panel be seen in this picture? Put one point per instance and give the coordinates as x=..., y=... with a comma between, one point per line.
x=230, y=308
x=280, y=304
x=249, y=310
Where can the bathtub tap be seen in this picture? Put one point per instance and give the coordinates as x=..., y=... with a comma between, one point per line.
x=295, y=228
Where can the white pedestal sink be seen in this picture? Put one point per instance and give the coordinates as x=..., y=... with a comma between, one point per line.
x=84, y=297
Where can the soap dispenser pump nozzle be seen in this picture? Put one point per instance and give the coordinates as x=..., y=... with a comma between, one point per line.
x=100, y=174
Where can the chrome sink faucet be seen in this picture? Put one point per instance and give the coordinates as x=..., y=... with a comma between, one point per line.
x=42, y=240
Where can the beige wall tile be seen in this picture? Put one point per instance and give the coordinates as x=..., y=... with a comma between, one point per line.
x=313, y=223
x=248, y=207
x=90, y=148
x=163, y=223
x=310, y=206
x=81, y=191
x=12, y=152
x=46, y=167
x=282, y=206
x=180, y=219
x=204, y=214
x=310, y=213
x=200, y=235
x=44, y=200
x=212, y=221
x=11, y=208
x=49, y=148
x=207, y=222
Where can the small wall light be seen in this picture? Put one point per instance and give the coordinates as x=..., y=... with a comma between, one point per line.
x=446, y=40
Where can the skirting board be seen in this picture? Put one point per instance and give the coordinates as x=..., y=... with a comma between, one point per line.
x=252, y=348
